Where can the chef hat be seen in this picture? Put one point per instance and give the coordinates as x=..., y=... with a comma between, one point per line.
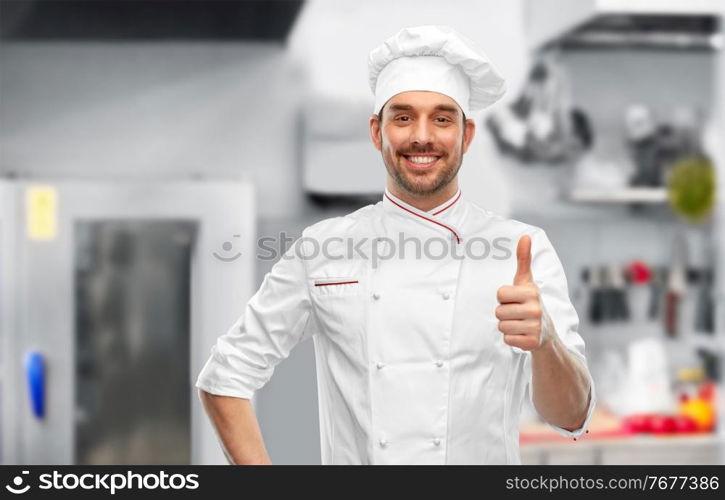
x=438, y=59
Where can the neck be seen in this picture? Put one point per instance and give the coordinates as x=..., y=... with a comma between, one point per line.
x=424, y=202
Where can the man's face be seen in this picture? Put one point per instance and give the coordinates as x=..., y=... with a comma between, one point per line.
x=422, y=137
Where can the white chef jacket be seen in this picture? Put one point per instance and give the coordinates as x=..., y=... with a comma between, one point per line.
x=411, y=366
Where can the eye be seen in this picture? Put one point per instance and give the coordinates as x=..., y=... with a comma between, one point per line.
x=402, y=118
x=443, y=119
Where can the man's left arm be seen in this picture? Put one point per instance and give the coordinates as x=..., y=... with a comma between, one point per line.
x=536, y=315
x=561, y=389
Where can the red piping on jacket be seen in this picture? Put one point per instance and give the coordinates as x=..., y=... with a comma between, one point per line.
x=449, y=205
x=458, y=239
x=335, y=283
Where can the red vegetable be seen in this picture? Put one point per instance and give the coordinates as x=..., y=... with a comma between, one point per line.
x=662, y=424
x=640, y=422
x=684, y=423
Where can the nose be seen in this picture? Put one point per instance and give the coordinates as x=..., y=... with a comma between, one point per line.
x=421, y=133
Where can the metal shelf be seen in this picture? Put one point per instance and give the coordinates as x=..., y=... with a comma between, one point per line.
x=650, y=195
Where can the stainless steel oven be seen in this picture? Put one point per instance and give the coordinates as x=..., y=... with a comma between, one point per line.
x=112, y=294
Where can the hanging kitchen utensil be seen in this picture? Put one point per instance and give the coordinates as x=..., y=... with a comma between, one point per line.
x=542, y=125
x=705, y=316
x=641, y=133
x=620, y=307
x=658, y=285
x=640, y=290
x=595, y=295
x=676, y=284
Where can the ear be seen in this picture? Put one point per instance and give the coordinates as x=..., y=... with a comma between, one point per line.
x=468, y=133
x=375, y=136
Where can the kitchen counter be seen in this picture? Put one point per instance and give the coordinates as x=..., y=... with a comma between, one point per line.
x=693, y=449
x=608, y=443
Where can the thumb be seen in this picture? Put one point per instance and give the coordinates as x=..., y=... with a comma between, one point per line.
x=523, y=266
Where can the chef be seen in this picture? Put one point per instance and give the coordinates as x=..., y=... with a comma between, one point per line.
x=433, y=319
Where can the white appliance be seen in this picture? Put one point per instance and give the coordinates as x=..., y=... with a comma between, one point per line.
x=112, y=295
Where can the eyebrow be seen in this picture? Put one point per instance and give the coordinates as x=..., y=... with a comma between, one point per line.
x=447, y=107
x=408, y=107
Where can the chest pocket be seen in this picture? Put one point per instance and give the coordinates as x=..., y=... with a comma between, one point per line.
x=335, y=286
x=340, y=304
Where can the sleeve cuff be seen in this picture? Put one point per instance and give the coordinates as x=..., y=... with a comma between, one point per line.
x=212, y=389
x=220, y=378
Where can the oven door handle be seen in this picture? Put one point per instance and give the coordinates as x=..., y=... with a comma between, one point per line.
x=35, y=373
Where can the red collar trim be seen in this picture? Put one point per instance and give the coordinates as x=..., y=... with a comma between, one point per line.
x=458, y=238
x=449, y=205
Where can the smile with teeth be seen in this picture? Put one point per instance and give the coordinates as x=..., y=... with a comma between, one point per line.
x=422, y=161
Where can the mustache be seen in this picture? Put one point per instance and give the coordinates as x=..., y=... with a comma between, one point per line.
x=422, y=151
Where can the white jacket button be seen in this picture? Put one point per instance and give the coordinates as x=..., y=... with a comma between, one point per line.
x=383, y=443
x=446, y=295
x=439, y=363
x=380, y=364
x=437, y=442
x=376, y=295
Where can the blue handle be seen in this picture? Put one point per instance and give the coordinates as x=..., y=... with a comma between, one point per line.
x=35, y=371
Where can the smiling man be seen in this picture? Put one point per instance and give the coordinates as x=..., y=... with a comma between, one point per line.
x=426, y=351
x=425, y=137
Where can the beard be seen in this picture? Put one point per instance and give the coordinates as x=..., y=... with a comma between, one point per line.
x=422, y=183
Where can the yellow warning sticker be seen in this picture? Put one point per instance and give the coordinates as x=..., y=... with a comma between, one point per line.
x=41, y=204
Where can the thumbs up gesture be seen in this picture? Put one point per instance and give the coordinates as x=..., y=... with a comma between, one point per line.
x=522, y=318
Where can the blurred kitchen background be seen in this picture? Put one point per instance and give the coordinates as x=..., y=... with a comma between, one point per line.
x=146, y=145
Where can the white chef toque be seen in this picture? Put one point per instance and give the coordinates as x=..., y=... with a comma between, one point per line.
x=438, y=59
